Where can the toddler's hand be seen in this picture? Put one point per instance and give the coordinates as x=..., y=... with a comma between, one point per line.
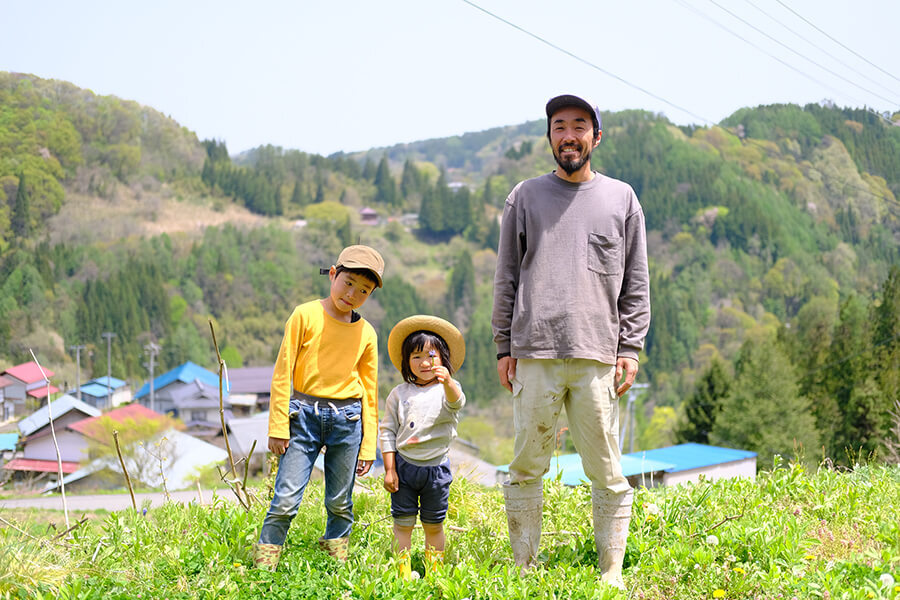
x=441, y=372
x=391, y=481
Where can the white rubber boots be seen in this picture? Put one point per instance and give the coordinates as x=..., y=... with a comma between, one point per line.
x=524, y=505
x=611, y=513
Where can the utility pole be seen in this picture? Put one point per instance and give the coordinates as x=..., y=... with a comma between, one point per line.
x=109, y=336
x=628, y=422
x=152, y=348
x=77, y=348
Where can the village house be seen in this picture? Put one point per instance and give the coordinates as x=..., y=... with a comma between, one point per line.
x=97, y=393
x=21, y=385
x=175, y=455
x=248, y=389
x=39, y=458
x=368, y=216
x=189, y=393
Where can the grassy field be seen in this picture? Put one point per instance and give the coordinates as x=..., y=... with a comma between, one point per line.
x=791, y=533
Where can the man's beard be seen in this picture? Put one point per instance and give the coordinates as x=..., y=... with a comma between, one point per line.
x=570, y=166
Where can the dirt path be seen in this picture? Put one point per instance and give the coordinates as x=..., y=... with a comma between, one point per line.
x=114, y=502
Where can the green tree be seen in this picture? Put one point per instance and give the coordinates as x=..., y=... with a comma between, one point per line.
x=431, y=211
x=385, y=186
x=461, y=289
x=21, y=218
x=886, y=319
x=298, y=198
x=703, y=406
x=411, y=180
x=764, y=412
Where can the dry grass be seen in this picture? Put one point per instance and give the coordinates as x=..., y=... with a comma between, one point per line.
x=89, y=219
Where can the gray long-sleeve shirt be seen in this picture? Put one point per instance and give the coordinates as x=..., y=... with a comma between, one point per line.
x=420, y=423
x=572, y=278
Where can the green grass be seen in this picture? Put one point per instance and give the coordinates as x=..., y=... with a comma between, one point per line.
x=791, y=533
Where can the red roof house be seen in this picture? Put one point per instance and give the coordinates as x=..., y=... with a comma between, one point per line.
x=28, y=372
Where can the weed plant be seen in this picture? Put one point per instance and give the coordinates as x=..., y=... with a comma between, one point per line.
x=791, y=533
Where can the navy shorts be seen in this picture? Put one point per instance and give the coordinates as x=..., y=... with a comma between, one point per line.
x=422, y=490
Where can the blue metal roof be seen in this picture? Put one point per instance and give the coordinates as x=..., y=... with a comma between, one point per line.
x=94, y=389
x=671, y=459
x=113, y=382
x=692, y=456
x=186, y=373
x=8, y=441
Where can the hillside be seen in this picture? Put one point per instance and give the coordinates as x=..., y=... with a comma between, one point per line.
x=773, y=240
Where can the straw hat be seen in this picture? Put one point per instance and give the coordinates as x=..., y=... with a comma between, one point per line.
x=445, y=329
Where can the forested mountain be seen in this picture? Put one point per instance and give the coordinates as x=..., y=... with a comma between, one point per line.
x=773, y=240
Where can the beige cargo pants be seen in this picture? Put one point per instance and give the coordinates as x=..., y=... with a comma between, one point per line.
x=586, y=388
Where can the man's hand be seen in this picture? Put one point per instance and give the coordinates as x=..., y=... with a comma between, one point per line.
x=363, y=466
x=506, y=369
x=629, y=368
x=391, y=481
x=278, y=445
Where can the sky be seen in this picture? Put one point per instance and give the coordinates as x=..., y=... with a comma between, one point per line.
x=351, y=75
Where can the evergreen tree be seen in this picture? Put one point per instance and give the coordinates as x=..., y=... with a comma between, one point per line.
x=703, y=406
x=385, y=186
x=458, y=209
x=297, y=196
x=21, y=217
x=461, y=289
x=478, y=375
x=410, y=180
x=764, y=412
x=431, y=211
x=320, y=192
x=369, y=170
x=886, y=321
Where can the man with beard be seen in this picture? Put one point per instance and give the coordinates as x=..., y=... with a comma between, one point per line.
x=571, y=310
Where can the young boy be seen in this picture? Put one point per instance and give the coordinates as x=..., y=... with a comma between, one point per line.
x=324, y=393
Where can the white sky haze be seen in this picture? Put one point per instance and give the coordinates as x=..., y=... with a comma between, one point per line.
x=345, y=76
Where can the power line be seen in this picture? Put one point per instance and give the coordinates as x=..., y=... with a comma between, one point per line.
x=584, y=61
x=684, y=4
x=594, y=66
x=821, y=49
x=783, y=45
x=814, y=26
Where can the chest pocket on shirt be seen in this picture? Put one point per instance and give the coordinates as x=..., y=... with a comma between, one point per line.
x=605, y=254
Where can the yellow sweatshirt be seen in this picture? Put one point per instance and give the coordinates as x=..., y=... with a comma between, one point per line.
x=327, y=358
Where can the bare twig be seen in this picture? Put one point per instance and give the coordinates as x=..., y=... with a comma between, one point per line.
x=719, y=524
x=70, y=529
x=22, y=531
x=28, y=535
x=238, y=488
x=247, y=466
x=234, y=484
x=124, y=470
x=62, y=483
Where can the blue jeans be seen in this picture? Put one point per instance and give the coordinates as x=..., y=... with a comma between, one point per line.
x=312, y=427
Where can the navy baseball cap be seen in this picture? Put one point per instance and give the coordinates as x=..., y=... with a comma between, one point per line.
x=565, y=100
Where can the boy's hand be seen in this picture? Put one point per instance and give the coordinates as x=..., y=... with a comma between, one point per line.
x=278, y=445
x=363, y=466
x=391, y=481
